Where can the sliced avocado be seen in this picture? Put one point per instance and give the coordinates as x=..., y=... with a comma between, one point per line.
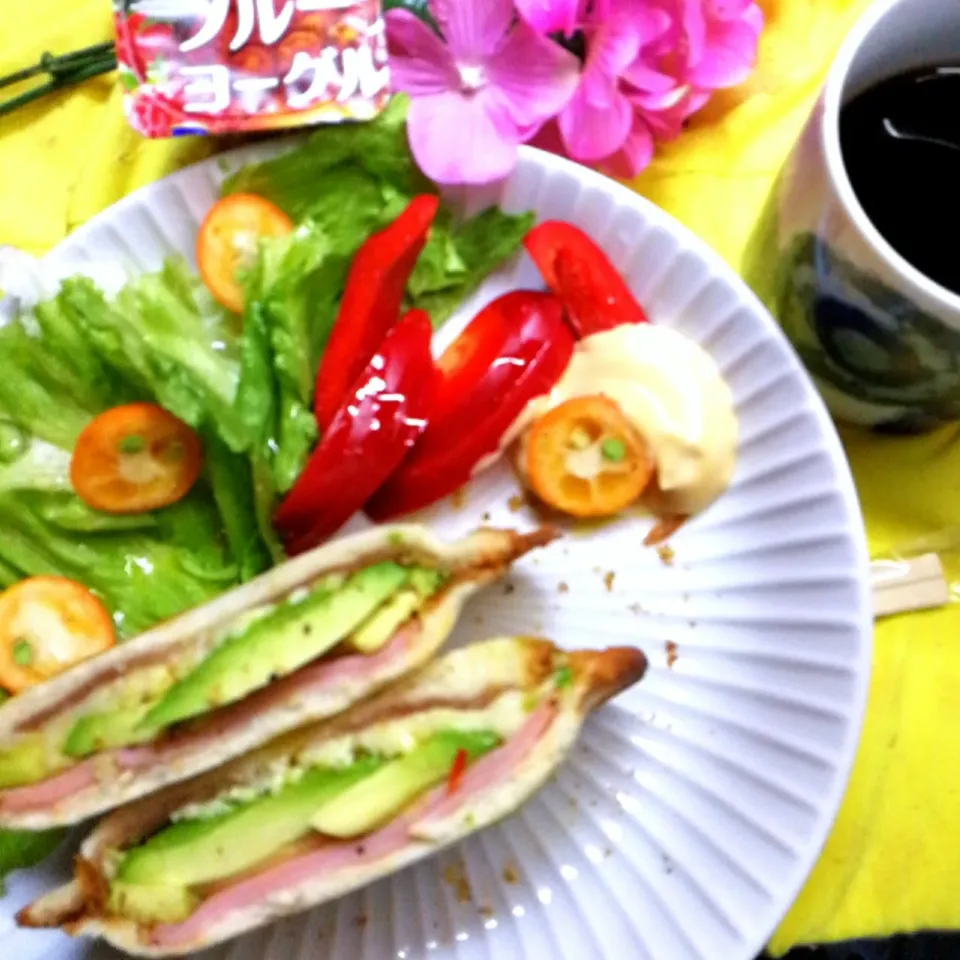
x=278, y=643
x=27, y=761
x=112, y=728
x=151, y=904
x=375, y=631
x=425, y=582
x=330, y=582
x=119, y=722
x=383, y=794
x=200, y=851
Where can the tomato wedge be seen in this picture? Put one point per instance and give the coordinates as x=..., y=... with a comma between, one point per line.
x=47, y=624
x=533, y=346
x=135, y=458
x=585, y=458
x=594, y=295
x=227, y=242
x=371, y=303
x=386, y=410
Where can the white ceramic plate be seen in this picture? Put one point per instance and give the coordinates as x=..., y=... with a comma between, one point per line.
x=694, y=807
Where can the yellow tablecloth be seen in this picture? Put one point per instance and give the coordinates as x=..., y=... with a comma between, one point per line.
x=891, y=862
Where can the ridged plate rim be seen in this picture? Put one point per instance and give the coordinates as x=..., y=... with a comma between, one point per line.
x=78, y=243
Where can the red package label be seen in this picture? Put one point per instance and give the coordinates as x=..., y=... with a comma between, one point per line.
x=222, y=66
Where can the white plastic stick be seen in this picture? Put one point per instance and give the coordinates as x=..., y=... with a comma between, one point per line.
x=915, y=584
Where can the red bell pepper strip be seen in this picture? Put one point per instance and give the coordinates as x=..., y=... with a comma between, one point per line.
x=385, y=411
x=593, y=294
x=466, y=361
x=525, y=347
x=457, y=770
x=371, y=303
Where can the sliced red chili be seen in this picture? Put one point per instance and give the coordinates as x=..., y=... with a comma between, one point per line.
x=457, y=770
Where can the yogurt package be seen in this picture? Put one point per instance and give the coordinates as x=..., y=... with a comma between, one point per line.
x=227, y=66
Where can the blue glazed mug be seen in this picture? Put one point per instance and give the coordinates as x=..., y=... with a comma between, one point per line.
x=880, y=339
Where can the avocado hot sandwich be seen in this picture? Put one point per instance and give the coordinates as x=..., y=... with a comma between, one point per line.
x=300, y=643
x=337, y=804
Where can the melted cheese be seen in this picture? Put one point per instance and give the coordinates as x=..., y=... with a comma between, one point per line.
x=389, y=738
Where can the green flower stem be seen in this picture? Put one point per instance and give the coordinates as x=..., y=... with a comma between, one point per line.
x=63, y=71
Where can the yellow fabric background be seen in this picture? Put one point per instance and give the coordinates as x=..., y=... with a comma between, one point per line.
x=890, y=863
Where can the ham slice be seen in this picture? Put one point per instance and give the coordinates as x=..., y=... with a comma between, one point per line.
x=492, y=768
x=248, y=893
x=438, y=803
x=311, y=680
x=49, y=792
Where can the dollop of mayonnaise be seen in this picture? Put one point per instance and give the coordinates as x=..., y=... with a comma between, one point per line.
x=672, y=392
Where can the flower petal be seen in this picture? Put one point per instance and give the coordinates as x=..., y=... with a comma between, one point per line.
x=634, y=155
x=726, y=9
x=597, y=120
x=552, y=16
x=473, y=28
x=648, y=21
x=599, y=11
x=613, y=46
x=420, y=63
x=695, y=29
x=548, y=138
x=665, y=116
x=647, y=79
x=730, y=53
x=660, y=102
x=753, y=17
x=534, y=77
x=462, y=139
x=695, y=101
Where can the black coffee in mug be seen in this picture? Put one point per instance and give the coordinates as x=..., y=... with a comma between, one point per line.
x=900, y=142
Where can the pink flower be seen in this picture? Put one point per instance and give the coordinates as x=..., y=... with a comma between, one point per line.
x=650, y=64
x=479, y=90
x=551, y=16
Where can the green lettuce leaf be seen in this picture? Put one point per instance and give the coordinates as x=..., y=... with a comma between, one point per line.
x=41, y=393
x=19, y=849
x=353, y=180
x=290, y=281
x=173, y=561
x=53, y=379
x=163, y=335
x=457, y=259
x=234, y=492
x=361, y=170
x=163, y=338
x=439, y=266
x=280, y=352
x=258, y=405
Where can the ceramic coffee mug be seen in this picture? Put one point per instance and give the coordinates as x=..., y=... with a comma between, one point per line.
x=880, y=339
